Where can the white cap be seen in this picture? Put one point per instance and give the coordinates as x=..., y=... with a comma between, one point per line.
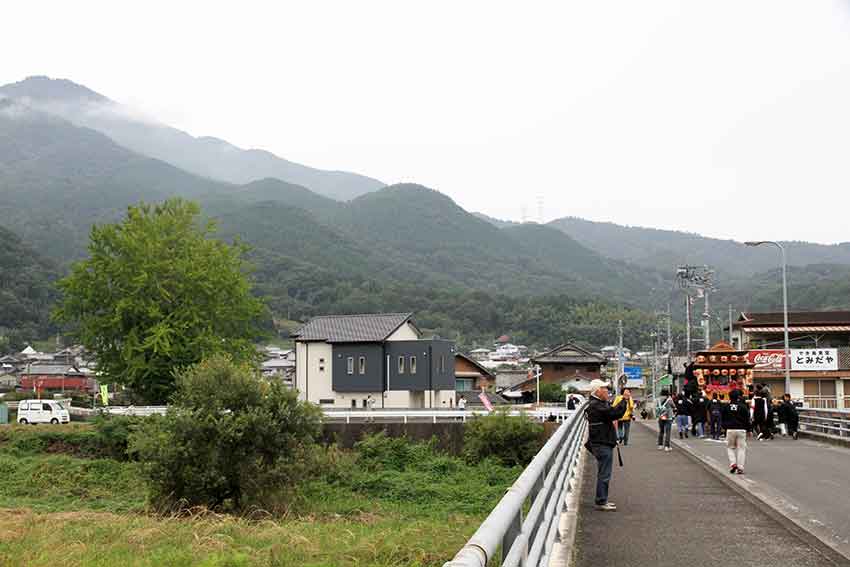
x=596, y=384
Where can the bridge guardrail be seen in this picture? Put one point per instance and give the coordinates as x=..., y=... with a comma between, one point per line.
x=528, y=540
x=826, y=422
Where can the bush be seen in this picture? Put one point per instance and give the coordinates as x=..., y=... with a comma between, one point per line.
x=105, y=438
x=552, y=393
x=510, y=440
x=229, y=441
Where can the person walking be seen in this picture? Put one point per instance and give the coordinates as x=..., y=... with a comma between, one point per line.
x=759, y=415
x=602, y=438
x=789, y=415
x=624, y=424
x=370, y=406
x=461, y=403
x=714, y=411
x=736, y=421
x=683, y=414
x=664, y=411
x=700, y=414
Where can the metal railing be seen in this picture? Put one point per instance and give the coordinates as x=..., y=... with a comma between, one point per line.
x=831, y=423
x=527, y=539
x=138, y=411
x=560, y=414
x=821, y=402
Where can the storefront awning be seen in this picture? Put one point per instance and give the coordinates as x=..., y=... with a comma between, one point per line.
x=811, y=329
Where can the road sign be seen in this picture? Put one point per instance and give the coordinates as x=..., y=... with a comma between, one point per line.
x=633, y=372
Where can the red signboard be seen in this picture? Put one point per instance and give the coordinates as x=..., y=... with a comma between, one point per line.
x=767, y=359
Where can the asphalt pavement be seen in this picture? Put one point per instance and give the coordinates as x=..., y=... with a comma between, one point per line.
x=672, y=510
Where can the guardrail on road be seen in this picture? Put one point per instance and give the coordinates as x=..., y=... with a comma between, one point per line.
x=823, y=422
x=527, y=541
x=409, y=415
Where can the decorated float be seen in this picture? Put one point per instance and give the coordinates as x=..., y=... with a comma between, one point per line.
x=722, y=369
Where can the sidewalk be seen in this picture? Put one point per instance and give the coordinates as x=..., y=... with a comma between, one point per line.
x=806, y=481
x=673, y=511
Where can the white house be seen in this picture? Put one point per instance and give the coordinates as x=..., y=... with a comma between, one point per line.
x=343, y=359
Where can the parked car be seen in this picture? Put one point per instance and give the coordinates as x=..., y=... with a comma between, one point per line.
x=42, y=411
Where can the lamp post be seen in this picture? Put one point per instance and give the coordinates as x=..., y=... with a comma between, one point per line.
x=784, y=307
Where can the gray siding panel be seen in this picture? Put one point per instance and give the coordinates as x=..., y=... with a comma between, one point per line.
x=371, y=381
x=443, y=365
x=428, y=355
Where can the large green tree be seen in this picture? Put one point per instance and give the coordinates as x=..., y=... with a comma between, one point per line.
x=158, y=294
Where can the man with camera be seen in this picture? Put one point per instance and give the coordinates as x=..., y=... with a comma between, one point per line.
x=602, y=438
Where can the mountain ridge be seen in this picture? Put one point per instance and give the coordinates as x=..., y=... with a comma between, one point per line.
x=220, y=160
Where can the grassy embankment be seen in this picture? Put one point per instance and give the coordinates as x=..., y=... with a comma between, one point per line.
x=396, y=504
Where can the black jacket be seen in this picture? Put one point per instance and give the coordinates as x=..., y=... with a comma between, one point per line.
x=715, y=407
x=601, y=417
x=699, y=409
x=736, y=415
x=684, y=406
x=788, y=414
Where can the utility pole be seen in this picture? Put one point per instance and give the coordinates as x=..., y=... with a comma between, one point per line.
x=621, y=364
x=537, y=373
x=707, y=320
x=688, y=325
x=730, y=324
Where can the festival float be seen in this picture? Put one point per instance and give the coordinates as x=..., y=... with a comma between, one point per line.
x=722, y=369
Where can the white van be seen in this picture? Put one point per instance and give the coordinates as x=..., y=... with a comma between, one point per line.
x=42, y=411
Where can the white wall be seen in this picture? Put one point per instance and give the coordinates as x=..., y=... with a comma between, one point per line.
x=406, y=332
x=314, y=377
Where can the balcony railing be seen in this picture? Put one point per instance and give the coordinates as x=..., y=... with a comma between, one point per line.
x=821, y=402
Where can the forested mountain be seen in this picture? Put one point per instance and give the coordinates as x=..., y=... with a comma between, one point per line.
x=56, y=179
x=26, y=292
x=204, y=156
x=665, y=249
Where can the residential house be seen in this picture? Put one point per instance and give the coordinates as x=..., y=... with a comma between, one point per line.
x=568, y=365
x=56, y=377
x=471, y=376
x=343, y=359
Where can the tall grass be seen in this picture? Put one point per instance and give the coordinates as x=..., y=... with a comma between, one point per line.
x=387, y=503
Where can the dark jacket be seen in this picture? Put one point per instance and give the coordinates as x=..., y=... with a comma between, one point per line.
x=684, y=406
x=601, y=417
x=715, y=408
x=760, y=409
x=699, y=409
x=736, y=415
x=788, y=414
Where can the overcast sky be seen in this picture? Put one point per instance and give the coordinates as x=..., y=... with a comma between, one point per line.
x=727, y=118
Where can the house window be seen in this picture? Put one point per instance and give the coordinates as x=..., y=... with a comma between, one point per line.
x=443, y=364
x=321, y=365
x=464, y=384
x=401, y=365
x=365, y=403
x=350, y=365
x=361, y=365
x=820, y=394
x=413, y=365
x=326, y=401
x=353, y=404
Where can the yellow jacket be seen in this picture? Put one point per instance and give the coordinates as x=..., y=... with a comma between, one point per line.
x=628, y=415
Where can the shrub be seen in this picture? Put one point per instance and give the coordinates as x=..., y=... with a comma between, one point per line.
x=510, y=440
x=229, y=441
x=552, y=393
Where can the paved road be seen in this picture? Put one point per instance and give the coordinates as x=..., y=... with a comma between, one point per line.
x=808, y=480
x=672, y=511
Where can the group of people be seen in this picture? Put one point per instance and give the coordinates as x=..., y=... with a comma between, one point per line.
x=610, y=424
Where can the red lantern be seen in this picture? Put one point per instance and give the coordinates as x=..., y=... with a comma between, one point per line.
x=725, y=372
x=716, y=372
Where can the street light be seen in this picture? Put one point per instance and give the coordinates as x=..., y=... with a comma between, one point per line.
x=784, y=307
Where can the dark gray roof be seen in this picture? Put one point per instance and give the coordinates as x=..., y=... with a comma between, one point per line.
x=52, y=369
x=352, y=328
x=568, y=354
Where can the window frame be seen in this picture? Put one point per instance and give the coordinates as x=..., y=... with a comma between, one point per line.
x=401, y=364
x=349, y=365
x=361, y=365
x=412, y=364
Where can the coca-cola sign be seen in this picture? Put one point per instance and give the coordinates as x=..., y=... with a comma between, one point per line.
x=767, y=359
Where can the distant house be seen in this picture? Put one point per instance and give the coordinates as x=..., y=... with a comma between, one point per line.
x=56, y=377
x=480, y=354
x=568, y=365
x=470, y=376
x=343, y=359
